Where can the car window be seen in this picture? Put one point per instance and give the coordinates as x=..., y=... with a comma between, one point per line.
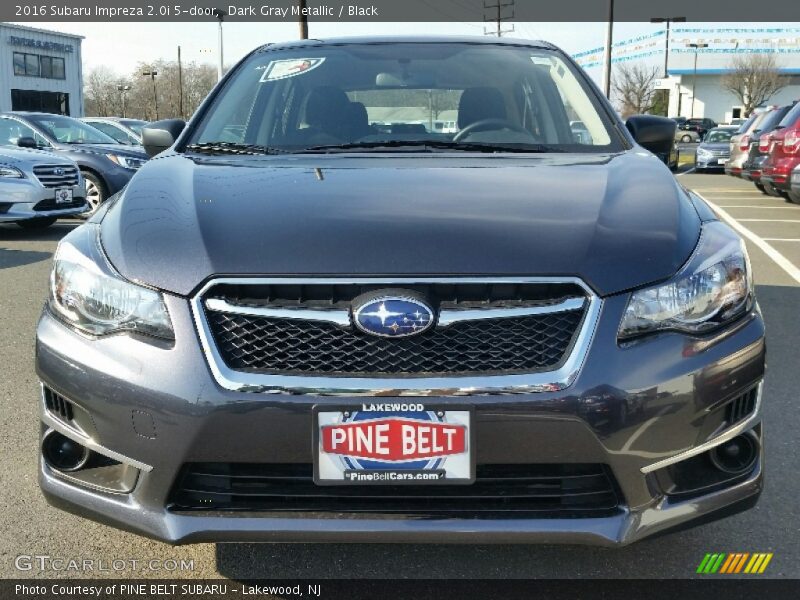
x=719, y=135
x=746, y=124
x=11, y=131
x=772, y=119
x=134, y=125
x=517, y=97
x=111, y=131
x=791, y=117
x=66, y=130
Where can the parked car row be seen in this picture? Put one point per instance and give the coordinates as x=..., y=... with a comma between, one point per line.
x=54, y=166
x=766, y=151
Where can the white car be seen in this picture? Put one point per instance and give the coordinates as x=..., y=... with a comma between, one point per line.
x=37, y=187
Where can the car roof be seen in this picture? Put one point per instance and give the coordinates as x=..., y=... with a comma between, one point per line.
x=406, y=39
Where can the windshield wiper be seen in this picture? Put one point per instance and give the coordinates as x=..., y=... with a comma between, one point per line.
x=430, y=146
x=233, y=148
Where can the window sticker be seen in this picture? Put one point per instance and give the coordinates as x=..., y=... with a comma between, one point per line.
x=290, y=67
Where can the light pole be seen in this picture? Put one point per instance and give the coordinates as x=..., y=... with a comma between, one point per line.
x=667, y=20
x=152, y=75
x=123, y=89
x=220, y=14
x=609, y=40
x=303, y=22
x=694, y=75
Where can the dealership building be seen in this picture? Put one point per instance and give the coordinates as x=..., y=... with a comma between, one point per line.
x=714, y=54
x=40, y=70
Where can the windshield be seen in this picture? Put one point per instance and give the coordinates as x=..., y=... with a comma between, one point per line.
x=791, y=117
x=134, y=125
x=718, y=135
x=66, y=130
x=440, y=95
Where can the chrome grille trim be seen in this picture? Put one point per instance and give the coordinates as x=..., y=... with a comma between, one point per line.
x=50, y=177
x=342, y=317
x=457, y=385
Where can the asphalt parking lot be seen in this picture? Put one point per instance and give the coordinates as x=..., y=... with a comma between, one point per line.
x=30, y=527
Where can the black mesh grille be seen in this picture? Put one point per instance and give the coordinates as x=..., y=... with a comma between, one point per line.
x=525, y=344
x=51, y=204
x=549, y=490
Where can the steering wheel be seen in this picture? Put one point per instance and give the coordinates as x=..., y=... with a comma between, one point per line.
x=488, y=124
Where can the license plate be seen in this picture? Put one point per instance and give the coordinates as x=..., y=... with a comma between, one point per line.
x=722, y=161
x=63, y=195
x=393, y=443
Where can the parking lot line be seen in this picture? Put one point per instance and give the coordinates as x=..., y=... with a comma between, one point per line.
x=781, y=239
x=751, y=206
x=779, y=259
x=768, y=220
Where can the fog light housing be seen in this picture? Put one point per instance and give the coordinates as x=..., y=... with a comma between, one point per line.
x=63, y=454
x=735, y=456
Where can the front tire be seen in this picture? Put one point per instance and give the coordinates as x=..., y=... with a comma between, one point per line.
x=686, y=139
x=96, y=193
x=37, y=223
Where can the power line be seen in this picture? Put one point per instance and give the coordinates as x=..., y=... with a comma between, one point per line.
x=499, y=11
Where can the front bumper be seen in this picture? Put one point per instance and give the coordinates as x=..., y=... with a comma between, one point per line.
x=711, y=163
x=669, y=397
x=25, y=199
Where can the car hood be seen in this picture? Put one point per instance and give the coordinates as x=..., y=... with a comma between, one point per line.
x=121, y=149
x=715, y=146
x=30, y=156
x=616, y=221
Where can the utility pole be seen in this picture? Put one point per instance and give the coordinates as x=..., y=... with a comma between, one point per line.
x=220, y=14
x=303, y=19
x=667, y=20
x=609, y=42
x=498, y=11
x=180, y=84
x=694, y=75
x=123, y=89
x=152, y=75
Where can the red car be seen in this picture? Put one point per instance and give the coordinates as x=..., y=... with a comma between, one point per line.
x=783, y=146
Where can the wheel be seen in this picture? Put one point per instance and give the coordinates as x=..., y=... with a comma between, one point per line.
x=686, y=138
x=794, y=197
x=37, y=223
x=770, y=190
x=760, y=187
x=96, y=193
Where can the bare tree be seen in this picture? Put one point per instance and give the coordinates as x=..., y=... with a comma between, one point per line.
x=103, y=98
x=753, y=79
x=634, y=88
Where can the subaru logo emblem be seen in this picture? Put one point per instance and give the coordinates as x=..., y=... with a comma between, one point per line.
x=392, y=315
x=59, y=171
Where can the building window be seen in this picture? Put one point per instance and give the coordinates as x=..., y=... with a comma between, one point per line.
x=35, y=65
x=34, y=100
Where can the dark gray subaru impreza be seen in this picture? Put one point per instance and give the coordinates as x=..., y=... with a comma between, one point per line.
x=380, y=290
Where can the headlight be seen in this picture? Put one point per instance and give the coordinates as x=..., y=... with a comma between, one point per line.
x=127, y=162
x=712, y=289
x=10, y=172
x=87, y=293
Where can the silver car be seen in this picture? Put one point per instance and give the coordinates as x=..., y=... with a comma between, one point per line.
x=36, y=188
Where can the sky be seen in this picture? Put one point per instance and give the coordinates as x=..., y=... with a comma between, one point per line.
x=120, y=46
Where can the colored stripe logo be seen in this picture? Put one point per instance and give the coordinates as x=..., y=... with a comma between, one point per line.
x=735, y=562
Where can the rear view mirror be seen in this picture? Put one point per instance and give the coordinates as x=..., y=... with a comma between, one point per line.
x=653, y=133
x=27, y=142
x=160, y=135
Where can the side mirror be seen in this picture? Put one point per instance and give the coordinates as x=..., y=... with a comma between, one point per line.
x=160, y=135
x=27, y=142
x=653, y=133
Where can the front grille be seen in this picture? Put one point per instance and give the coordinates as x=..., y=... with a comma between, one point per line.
x=54, y=176
x=51, y=204
x=741, y=407
x=548, y=490
x=58, y=405
x=267, y=345
x=517, y=344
